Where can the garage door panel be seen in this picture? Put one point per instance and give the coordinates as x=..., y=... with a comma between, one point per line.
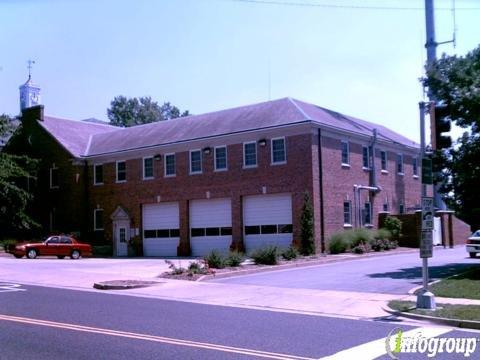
x=161, y=229
x=210, y=226
x=267, y=221
x=202, y=246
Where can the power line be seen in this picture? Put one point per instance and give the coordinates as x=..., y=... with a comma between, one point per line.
x=352, y=7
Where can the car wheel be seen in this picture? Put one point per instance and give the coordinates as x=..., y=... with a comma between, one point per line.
x=18, y=256
x=31, y=253
x=75, y=254
x=61, y=257
x=472, y=255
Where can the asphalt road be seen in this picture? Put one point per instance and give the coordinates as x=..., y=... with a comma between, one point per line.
x=392, y=274
x=49, y=323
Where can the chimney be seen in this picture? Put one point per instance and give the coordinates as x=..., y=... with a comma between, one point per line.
x=34, y=113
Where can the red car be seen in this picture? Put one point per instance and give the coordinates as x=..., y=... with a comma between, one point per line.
x=58, y=245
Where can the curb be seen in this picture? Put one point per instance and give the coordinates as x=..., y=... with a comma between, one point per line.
x=124, y=284
x=267, y=268
x=465, y=324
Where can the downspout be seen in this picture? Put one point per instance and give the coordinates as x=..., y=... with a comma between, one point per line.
x=320, y=175
x=87, y=200
x=373, y=173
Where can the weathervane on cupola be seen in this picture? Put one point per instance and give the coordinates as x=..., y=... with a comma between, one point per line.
x=29, y=92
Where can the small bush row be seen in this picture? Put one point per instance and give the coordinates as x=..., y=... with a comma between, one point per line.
x=217, y=260
x=360, y=241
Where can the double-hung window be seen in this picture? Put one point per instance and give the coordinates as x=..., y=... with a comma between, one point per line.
x=415, y=166
x=400, y=164
x=366, y=157
x=169, y=164
x=347, y=212
x=195, y=161
x=383, y=158
x=367, y=214
x=147, y=168
x=121, y=171
x=345, y=153
x=220, y=158
x=54, y=177
x=98, y=174
x=250, y=154
x=98, y=219
x=279, y=154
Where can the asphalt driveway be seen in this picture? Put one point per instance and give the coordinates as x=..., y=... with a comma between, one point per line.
x=392, y=274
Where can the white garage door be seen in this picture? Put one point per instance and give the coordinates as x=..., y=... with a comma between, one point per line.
x=267, y=221
x=210, y=226
x=161, y=229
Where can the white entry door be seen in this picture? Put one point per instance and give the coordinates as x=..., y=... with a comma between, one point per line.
x=122, y=235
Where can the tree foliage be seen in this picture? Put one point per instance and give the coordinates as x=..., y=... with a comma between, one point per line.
x=455, y=82
x=307, y=229
x=15, y=170
x=127, y=112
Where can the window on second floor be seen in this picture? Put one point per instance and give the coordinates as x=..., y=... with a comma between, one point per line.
x=347, y=212
x=121, y=171
x=220, y=158
x=366, y=157
x=250, y=154
x=169, y=164
x=279, y=154
x=98, y=174
x=195, y=162
x=345, y=153
x=383, y=158
x=54, y=177
x=415, y=166
x=400, y=164
x=148, y=168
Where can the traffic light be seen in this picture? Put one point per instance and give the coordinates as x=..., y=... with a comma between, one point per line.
x=440, y=124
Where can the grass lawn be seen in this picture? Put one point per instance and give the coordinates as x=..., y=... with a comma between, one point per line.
x=459, y=312
x=465, y=285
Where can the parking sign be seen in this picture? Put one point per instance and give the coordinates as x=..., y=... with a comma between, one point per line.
x=427, y=213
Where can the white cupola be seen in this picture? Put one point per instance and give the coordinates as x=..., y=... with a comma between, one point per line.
x=29, y=92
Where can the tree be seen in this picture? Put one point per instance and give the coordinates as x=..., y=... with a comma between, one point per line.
x=306, y=224
x=454, y=81
x=127, y=112
x=14, y=198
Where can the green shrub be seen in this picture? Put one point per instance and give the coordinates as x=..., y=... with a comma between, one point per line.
x=175, y=270
x=378, y=244
x=393, y=244
x=340, y=242
x=383, y=234
x=265, y=256
x=394, y=225
x=102, y=250
x=359, y=249
x=215, y=260
x=234, y=259
x=290, y=253
x=307, y=227
x=361, y=236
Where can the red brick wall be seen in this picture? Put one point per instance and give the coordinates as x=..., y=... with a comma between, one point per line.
x=293, y=177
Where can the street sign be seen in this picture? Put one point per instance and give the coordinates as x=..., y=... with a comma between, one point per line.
x=426, y=244
x=427, y=174
x=427, y=213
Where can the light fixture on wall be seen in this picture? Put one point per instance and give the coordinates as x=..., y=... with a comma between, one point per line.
x=158, y=157
x=207, y=150
x=262, y=142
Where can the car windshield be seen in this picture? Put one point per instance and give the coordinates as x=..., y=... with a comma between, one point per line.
x=476, y=234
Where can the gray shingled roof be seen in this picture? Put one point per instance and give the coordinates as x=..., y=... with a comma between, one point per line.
x=90, y=139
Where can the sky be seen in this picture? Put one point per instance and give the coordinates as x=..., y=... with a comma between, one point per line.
x=208, y=55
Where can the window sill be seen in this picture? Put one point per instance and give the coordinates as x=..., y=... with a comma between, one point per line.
x=349, y=226
x=250, y=166
x=365, y=169
x=148, y=178
x=98, y=229
x=400, y=174
x=98, y=184
x=54, y=187
x=346, y=166
x=278, y=163
x=369, y=226
x=384, y=172
x=415, y=177
x=170, y=175
x=120, y=181
x=196, y=173
x=221, y=170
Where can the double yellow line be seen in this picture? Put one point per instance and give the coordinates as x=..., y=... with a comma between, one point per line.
x=159, y=339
